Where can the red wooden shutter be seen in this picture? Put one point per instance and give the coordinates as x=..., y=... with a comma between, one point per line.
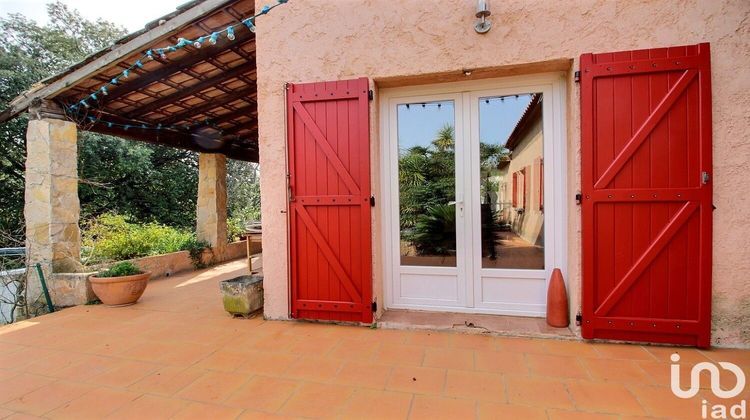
x=329, y=208
x=646, y=165
x=514, y=195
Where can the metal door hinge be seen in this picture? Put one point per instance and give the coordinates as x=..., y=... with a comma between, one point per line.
x=372, y=201
x=705, y=177
x=579, y=198
x=374, y=306
x=579, y=319
x=370, y=95
x=577, y=76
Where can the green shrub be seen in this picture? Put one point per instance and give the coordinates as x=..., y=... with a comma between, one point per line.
x=120, y=269
x=196, y=247
x=112, y=237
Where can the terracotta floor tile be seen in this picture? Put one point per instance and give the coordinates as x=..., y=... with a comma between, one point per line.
x=556, y=366
x=267, y=363
x=417, y=380
x=371, y=405
x=263, y=393
x=603, y=398
x=97, y=403
x=569, y=348
x=622, y=351
x=577, y=415
x=687, y=355
x=491, y=411
x=5, y=413
x=660, y=402
x=354, y=350
x=222, y=360
x=48, y=397
x=474, y=341
x=124, y=373
x=201, y=411
x=18, y=386
x=52, y=361
x=430, y=338
x=321, y=369
x=22, y=416
x=316, y=400
x=400, y=354
x=475, y=385
x=520, y=345
x=167, y=381
x=500, y=362
x=260, y=415
x=149, y=407
x=320, y=346
x=87, y=367
x=213, y=386
x=449, y=358
x=365, y=375
x=737, y=356
x=616, y=370
x=432, y=408
x=7, y=374
x=537, y=392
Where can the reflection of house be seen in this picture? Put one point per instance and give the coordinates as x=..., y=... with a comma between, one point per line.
x=522, y=177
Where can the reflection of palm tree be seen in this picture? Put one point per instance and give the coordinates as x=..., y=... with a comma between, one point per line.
x=444, y=139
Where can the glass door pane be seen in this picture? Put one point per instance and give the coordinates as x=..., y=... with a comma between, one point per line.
x=427, y=183
x=511, y=180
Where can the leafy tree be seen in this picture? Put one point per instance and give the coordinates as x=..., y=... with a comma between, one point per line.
x=149, y=183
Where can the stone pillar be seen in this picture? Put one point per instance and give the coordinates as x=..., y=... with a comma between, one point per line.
x=51, y=207
x=212, y=202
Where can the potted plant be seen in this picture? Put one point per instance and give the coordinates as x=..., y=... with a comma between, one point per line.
x=120, y=285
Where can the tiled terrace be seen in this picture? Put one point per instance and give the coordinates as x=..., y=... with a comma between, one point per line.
x=177, y=355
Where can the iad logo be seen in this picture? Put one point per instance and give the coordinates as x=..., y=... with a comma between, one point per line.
x=716, y=411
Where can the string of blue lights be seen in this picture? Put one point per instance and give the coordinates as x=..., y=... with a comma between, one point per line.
x=163, y=52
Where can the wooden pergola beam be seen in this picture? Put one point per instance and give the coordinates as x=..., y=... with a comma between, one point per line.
x=114, y=56
x=249, y=94
x=240, y=112
x=174, y=67
x=171, y=138
x=246, y=68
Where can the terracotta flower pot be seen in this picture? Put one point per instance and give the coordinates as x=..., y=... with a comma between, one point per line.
x=120, y=291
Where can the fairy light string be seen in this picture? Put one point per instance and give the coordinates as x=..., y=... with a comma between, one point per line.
x=212, y=38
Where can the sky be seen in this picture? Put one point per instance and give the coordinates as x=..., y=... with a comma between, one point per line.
x=417, y=125
x=132, y=14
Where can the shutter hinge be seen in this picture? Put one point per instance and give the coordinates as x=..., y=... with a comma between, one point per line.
x=579, y=319
x=577, y=76
x=372, y=201
x=370, y=94
x=579, y=198
x=374, y=306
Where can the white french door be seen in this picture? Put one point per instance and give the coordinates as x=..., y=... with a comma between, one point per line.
x=471, y=206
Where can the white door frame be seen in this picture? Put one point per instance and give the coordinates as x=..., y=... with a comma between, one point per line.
x=469, y=293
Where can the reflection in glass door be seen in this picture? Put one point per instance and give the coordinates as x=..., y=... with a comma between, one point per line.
x=468, y=222
x=427, y=183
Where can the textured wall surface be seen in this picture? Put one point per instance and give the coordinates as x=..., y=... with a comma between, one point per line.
x=314, y=40
x=211, y=207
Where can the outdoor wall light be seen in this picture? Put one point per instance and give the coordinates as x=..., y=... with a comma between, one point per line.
x=483, y=11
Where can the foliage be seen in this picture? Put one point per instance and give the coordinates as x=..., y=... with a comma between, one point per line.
x=112, y=237
x=428, y=191
x=121, y=269
x=28, y=54
x=243, y=190
x=196, y=247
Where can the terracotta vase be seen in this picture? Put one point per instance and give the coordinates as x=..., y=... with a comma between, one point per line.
x=557, y=301
x=120, y=291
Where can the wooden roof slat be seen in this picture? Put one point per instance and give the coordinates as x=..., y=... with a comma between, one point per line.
x=239, y=112
x=247, y=94
x=174, y=67
x=182, y=93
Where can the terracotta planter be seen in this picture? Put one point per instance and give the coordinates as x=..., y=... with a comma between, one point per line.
x=120, y=291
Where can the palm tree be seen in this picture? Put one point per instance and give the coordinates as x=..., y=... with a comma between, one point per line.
x=445, y=138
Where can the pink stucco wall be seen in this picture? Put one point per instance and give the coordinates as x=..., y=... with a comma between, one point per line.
x=388, y=41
